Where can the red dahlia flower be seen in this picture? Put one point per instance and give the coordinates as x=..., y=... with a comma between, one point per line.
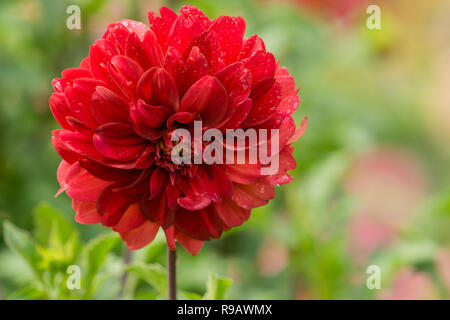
x=119, y=108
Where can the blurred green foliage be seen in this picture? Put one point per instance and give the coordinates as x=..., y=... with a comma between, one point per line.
x=298, y=246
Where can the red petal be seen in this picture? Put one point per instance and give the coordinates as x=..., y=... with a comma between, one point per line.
x=299, y=131
x=196, y=68
x=108, y=106
x=86, y=212
x=100, y=55
x=193, y=246
x=59, y=109
x=131, y=219
x=164, y=90
x=170, y=237
x=146, y=119
x=112, y=205
x=181, y=117
x=208, y=43
x=134, y=49
x=263, y=107
x=252, y=195
x=79, y=143
x=239, y=115
x=125, y=73
x=118, y=141
x=243, y=173
x=83, y=186
x=140, y=236
x=158, y=179
x=67, y=154
x=161, y=26
x=262, y=65
x=230, y=31
x=79, y=103
x=191, y=224
x=184, y=30
x=237, y=81
x=197, y=14
x=207, y=97
x=193, y=204
x=231, y=214
x=153, y=50
x=104, y=172
x=250, y=46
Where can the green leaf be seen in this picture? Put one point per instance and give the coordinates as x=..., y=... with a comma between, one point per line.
x=50, y=225
x=192, y=295
x=216, y=287
x=95, y=254
x=22, y=244
x=27, y=293
x=154, y=274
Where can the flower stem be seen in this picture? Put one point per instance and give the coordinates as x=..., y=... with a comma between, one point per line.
x=123, y=280
x=172, y=273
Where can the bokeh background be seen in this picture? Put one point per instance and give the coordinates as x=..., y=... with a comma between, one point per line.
x=372, y=185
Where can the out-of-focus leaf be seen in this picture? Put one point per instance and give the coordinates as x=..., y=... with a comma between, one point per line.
x=154, y=274
x=21, y=243
x=49, y=222
x=216, y=287
x=192, y=296
x=27, y=293
x=94, y=255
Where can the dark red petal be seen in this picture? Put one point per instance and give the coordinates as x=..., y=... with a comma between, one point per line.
x=118, y=141
x=230, y=31
x=286, y=162
x=108, y=107
x=231, y=214
x=131, y=219
x=146, y=119
x=107, y=173
x=141, y=236
x=180, y=117
x=207, y=97
x=170, y=237
x=144, y=86
x=153, y=49
x=252, y=195
x=164, y=90
x=158, y=180
x=156, y=210
x=192, y=246
x=212, y=222
x=112, y=205
x=86, y=212
x=191, y=224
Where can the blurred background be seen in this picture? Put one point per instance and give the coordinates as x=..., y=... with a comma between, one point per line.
x=372, y=186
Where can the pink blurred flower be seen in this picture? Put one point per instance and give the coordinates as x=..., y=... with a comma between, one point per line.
x=410, y=285
x=388, y=185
